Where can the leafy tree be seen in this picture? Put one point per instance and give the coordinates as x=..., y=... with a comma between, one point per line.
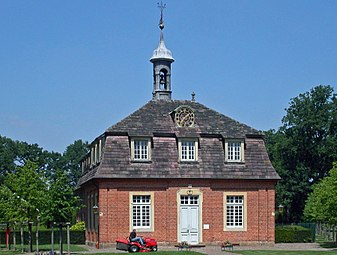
x=71, y=158
x=321, y=205
x=14, y=154
x=8, y=155
x=303, y=148
x=311, y=124
x=62, y=203
x=36, y=182
x=23, y=194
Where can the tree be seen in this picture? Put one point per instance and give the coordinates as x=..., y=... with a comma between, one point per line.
x=36, y=182
x=311, y=126
x=71, y=157
x=62, y=203
x=7, y=157
x=14, y=154
x=303, y=148
x=23, y=195
x=321, y=205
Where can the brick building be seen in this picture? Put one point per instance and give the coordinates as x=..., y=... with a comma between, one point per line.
x=178, y=171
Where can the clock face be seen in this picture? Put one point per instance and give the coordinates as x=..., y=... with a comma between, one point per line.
x=184, y=117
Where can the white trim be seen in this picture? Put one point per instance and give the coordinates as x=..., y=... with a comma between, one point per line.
x=194, y=192
x=195, y=152
x=148, y=149
x=230, y=228
x=241, y=150
x=142, y=229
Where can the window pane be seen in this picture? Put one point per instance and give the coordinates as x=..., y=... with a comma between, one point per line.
x=188, y=150
x=189, y=200
x=141, y=211
x=234, y=151
x=140, y=149
x=234, y=211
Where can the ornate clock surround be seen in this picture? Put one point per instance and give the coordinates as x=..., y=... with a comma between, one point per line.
x=184, y=116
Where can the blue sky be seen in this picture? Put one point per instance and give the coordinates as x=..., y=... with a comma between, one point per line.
x=71, y=69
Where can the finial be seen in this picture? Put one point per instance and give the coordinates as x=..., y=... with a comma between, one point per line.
x=193, y=96
x=161, y=22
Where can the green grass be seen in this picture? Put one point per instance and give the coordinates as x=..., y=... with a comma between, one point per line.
x=4, y=252
x=79, y=249
x=153, y=253
x=42, y=248
x=284, y=252
x=73, y=247
x=251, y=252
x=324, y=243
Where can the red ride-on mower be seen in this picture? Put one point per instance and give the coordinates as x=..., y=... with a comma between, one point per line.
x=125, y=245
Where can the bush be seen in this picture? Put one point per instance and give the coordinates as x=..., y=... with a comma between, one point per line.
x=292, y=234
x=76, y=236
x=78, y=226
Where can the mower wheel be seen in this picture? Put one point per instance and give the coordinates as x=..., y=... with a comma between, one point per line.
x=154, y=248
x=133, y=248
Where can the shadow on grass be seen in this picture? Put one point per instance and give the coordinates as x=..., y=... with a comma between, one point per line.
x=329, y=245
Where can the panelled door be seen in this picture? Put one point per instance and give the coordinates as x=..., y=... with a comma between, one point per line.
x=189, y=219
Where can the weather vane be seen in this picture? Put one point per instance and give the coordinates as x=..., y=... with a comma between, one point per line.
x=161, y=6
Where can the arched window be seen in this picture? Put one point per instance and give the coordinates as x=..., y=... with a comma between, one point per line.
x=163, y=79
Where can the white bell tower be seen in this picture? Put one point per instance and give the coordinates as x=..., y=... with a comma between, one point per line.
x=162, y=59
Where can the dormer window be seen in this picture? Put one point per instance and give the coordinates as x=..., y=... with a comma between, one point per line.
x=234, y=151
x=140, y=149
x=188, y=150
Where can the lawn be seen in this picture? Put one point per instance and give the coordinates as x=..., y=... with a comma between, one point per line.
x=42, y=248
x=284, y=252
x=4, y=252
x=155, y=253
x=251, y=252
x=236, y=252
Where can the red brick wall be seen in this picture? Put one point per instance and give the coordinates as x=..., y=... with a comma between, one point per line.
x=114, y=209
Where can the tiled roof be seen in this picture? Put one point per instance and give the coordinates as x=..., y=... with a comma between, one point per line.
x=155, y=119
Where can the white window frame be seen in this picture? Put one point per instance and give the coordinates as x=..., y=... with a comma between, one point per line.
x=234, y=150
x=144, y=150
x=142, y=204
x=233, y=210
x=185, y=149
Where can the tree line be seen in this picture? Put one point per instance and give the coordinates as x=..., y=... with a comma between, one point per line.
x=38, y=185
x=303, y=151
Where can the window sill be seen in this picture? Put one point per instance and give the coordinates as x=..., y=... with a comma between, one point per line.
x=144, y=161
x=143, y=230
x=235, y=162
x=235, y=229
x=188, y=162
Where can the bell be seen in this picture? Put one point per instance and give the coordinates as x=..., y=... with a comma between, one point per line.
x=162, y=79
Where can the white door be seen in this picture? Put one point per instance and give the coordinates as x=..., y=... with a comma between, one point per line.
x=189, y=219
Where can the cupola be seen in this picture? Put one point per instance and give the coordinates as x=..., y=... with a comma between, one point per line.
x=161, y=59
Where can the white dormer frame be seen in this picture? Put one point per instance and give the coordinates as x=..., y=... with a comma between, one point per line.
x=192, y=147
x=145, y=143
x=235, y=150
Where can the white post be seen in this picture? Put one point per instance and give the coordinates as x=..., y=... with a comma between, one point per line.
x=21, y=232
x=52, y=238
x=14, y=237
x=68, y=237
x=37, y=236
